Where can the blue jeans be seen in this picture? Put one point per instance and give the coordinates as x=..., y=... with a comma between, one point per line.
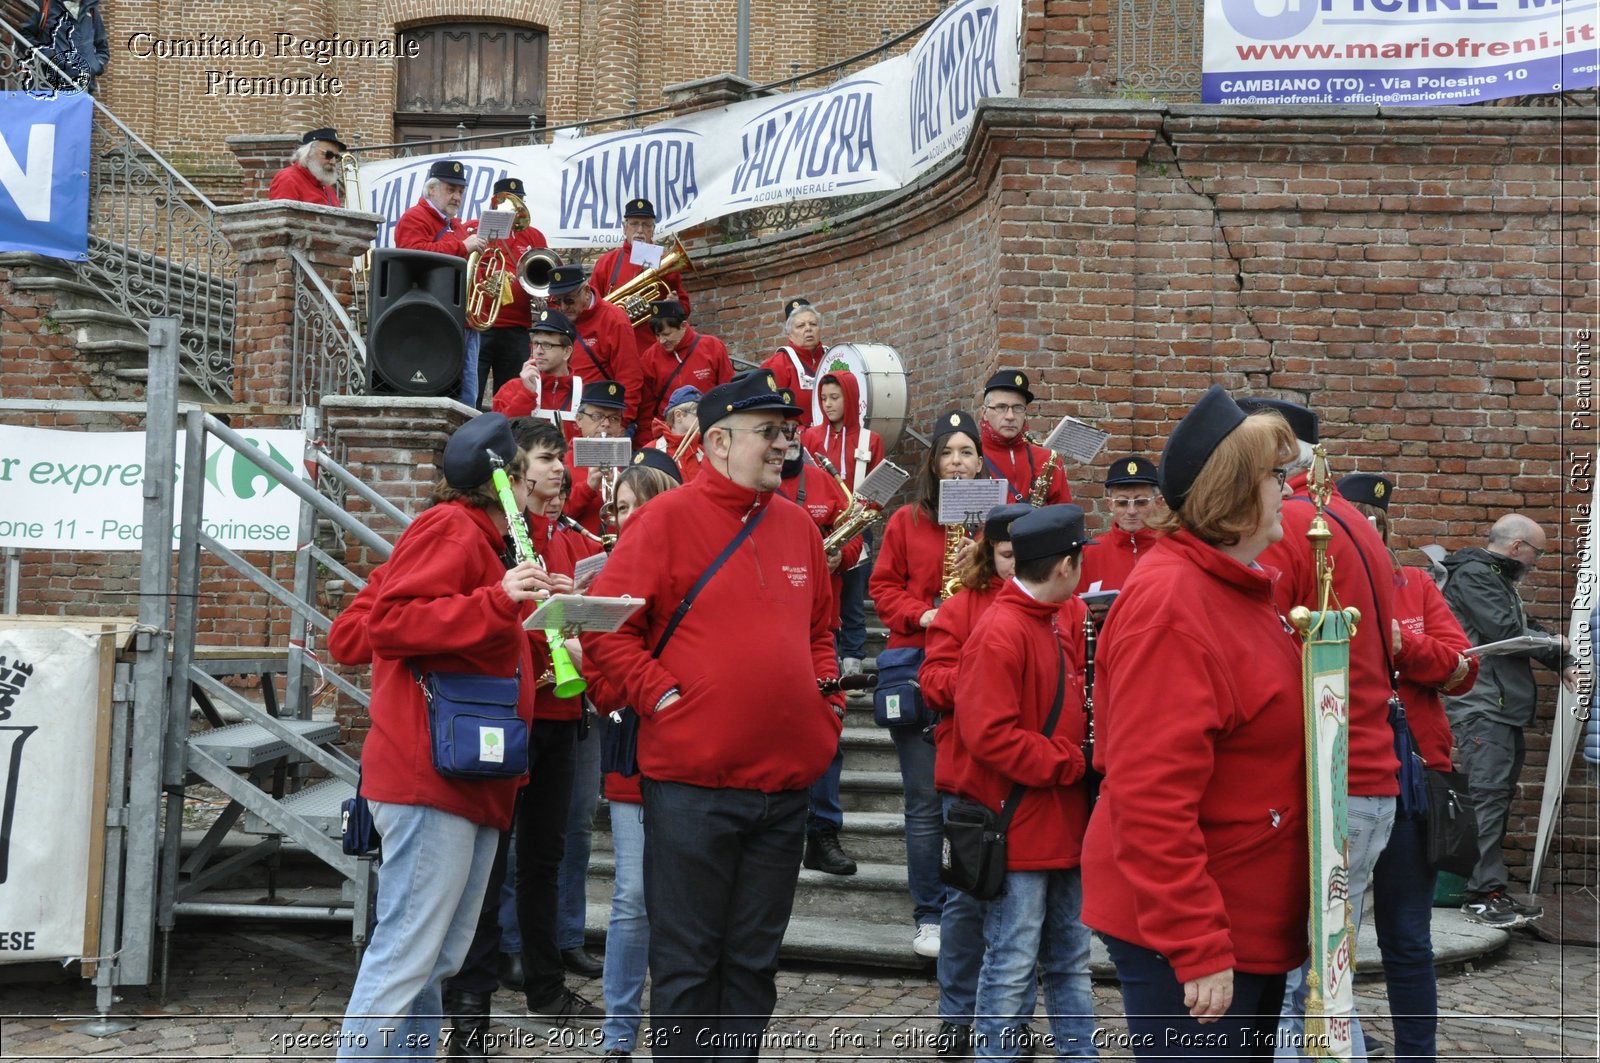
x=628, y=937
x=1161, y=1027
x=826, y=812
x=1035, y=926
x=469, y=370
x=1370, y=820
x=580, y=836
x=852, y=638
x=924, y=824
x=510, y=930
x=432, y=882
x=1402, y=911
x=720, y=867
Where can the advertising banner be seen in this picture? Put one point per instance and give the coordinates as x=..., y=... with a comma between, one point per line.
x=1419, y=53
x=44, y=173
x=877, y=130
x=84, y=490
x=49, y=712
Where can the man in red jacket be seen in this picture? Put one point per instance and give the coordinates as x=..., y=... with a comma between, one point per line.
x=675, y=358
x=1131, y=497
x=312, y=175
x=600, y=413
x=1362, y=577
x=545, y=386
x=1017, y=751
x=607, y=348
x=1006, y=454
x=727, y=750
x=616, y=267
x=431, y=224
x=504, y=348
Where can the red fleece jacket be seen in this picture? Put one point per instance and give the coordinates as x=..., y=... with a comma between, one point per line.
x=782, y=369
x=1112, y=555
x=423, y=228
x=607, y=350
x=1434, y=642
x=842, y=443
x=1197, y=848
x=1019, y=463
x=296, y=182
x=905, y=580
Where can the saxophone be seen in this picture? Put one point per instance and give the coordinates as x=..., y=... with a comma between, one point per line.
x=1041, y=483
x=951, y=581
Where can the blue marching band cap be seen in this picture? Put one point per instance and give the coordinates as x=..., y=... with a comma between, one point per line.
x=554, y=321
x=325, y=133
x=1302, y=422
x=606, y=394
x=512, y=185
x=467, y=461
x=1367, y=487
x=752, y=390
x=1047, y=532
x=949, y=423
x=797, y=303
x=997, y=525
x=1009, y=380
x=1130, y=471
x=567, y=278
x=679, y=396
x=1193, y=442
x=639, y=208
x=450, y=171
x=667, y=310
x=659, y=460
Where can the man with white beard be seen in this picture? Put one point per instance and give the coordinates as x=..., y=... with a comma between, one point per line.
x=313, y=171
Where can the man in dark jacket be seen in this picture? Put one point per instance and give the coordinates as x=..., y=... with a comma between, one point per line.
x=1489, y=719
x=71, y=34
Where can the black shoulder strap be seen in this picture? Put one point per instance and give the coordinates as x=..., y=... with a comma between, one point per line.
x=705, y=577
x=1016, y=496
x=1009, y=809
x=594, y=359
x=1383, y=629
x=616, y=267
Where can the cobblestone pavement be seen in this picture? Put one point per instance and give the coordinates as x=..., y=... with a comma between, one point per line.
x=266, y=991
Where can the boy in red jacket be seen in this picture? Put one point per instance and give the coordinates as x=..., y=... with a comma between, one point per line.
x=1019, y=730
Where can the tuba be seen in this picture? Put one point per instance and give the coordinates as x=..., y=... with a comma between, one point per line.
x=533, y=271
x=488, y=271
x=650, y=286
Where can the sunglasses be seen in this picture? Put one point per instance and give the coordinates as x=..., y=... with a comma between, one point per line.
x=770, y=432
x=332, y=156
x=1132, y=503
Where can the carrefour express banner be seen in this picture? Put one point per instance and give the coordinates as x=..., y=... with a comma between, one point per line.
x=85, y=490
x=1418, y=53
x=876, y=130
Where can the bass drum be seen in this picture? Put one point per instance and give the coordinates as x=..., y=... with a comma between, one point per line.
x=883, y=386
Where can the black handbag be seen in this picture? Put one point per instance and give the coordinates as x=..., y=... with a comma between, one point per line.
x=473, y=728
x=358, y=834
x=1452, y=823
x=973, y=858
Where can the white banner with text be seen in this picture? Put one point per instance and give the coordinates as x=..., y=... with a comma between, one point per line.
x=85, y=490
x=875, y=130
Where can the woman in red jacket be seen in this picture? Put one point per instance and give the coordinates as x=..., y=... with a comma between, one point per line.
x=447, y=603
x=905, y=585
x=1194, y=865
x=1431, y=661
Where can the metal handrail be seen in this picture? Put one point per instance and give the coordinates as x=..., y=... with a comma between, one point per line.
x=327, y=351
x=332, y=300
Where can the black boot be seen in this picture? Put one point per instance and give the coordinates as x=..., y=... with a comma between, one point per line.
x=469, y=1022
x=823, y=853
x=510, y=971
x=953, y=1041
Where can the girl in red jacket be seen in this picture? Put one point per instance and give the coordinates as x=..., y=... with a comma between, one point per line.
x=905, y=584
x=1194, y=865
x=1431, y=661
x=446, y=603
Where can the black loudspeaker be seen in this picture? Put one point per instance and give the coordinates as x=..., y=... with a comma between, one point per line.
x=416, y=339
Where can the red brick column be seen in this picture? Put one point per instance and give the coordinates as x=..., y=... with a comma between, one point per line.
x=260, y=157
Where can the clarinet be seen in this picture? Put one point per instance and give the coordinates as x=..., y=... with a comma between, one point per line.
x=1091, y=778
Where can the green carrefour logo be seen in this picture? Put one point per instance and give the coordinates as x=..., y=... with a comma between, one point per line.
x=241, y=473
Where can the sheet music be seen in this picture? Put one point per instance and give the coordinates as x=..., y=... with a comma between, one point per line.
x=1077, y=439
x=496, y=224
x=576, y=612
x=645, y=254
x=969, y=501
x=604, y=452
x=880, y=485
x=588, y=568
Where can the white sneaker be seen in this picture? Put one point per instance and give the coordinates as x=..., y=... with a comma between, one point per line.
x=849, y=666
x=926, y=943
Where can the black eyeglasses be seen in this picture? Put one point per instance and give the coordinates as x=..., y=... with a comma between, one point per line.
x=551, y=346
x=770, y=432
x=1282, y=476
x=332, y=156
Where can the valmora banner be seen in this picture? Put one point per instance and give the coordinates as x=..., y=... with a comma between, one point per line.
x=877, y=130
x=84, y=490
x=49, y=711
x=1419, y=53
x=44, y=173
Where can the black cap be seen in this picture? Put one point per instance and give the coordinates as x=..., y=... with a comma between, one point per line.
x=606, y=394
x=1009, y=380
x=951, y=422
x=669, y=310
x=1192, y=443
x=658, y=459
x=1125, y=472
x=750, y=391
x=797, y=303
x=554, y=321
x=512, y=185
x=639, y=208
x=567, y=278
x=1367, y=487
x=1047, y=532
x=449, y=171
x=466, y=454
x=325, y=133
x=997, y=525
x=1302, y=422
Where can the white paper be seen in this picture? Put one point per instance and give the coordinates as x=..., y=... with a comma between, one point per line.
x=588, y=568
x=603, y=452
x=969, y=501
x=495, y=224
x=645, y=254
x=577, y=612
x=1519, y=644
x=880, y=485
x=1077, y=439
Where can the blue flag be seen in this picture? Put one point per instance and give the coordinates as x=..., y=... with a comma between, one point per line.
x=44, y=173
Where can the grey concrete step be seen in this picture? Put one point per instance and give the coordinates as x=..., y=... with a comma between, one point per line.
x=873, y=837
x=114, y=348
x=871, y=791
x=867, y=747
